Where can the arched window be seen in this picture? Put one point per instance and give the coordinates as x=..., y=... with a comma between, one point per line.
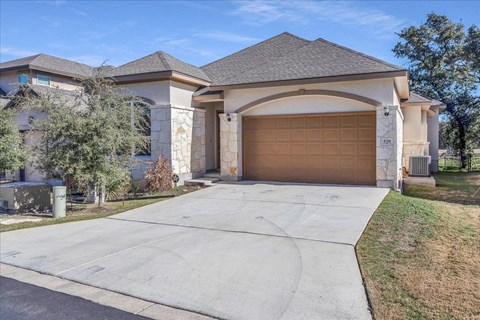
x=144, y=125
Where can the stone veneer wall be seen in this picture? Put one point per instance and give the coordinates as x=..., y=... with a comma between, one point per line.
x=389, y=147
x=230, y=144
x=178, y=134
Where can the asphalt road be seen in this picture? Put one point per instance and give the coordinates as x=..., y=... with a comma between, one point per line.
x=22, y=301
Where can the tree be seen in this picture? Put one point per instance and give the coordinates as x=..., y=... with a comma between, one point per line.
x=444, y=64
x=13, y=153
x=88, y=136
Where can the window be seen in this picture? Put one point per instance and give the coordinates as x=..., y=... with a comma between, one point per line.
x=43, y=80
x=23, y=78
x=144, y=127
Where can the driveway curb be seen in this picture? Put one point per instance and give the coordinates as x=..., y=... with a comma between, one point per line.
x=101, y=296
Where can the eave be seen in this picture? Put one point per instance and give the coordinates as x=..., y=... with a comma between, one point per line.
x=367, y=76
x=160, y=76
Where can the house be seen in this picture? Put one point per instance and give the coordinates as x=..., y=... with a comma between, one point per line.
x=285, y=109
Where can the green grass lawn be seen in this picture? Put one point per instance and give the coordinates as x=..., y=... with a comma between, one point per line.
x=420, y=258
x=92, y=211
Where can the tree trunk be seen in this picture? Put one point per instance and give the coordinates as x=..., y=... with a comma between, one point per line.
x=462, y=143
x=100, y=194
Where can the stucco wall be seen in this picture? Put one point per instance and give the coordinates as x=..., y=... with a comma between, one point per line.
x=56, y=81
x=307, y=105
x=181, y=94
x=380, y=90
x=415, y=124
x=433, y=138
x=8, y=81
x=157, y=91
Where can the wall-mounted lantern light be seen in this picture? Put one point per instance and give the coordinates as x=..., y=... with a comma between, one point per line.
x=386, y=110
x=228, y=117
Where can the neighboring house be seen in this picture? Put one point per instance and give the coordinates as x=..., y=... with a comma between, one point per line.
x=285, y=109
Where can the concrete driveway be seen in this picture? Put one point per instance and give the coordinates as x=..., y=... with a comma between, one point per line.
x=231, y=251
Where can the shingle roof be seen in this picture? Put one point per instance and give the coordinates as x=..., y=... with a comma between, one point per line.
x=235, y=64
x=158, y=62
x=317, y=59
x=49, y=63
x=416, y=98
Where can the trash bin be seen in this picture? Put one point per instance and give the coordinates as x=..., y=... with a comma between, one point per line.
x=59, y=208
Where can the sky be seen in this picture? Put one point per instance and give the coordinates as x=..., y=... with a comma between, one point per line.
x=199, y=32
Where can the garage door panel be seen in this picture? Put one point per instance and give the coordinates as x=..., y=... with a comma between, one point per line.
x=314, y=148
x=282, y=136
x=348, y=121
x=331, y=149
x=347, y=163
x=298, y=148
x=331, y=122
x=314, y=122
x=331, y=134
x=282, y=123
x=348, y=149
x=261, y=149
x=366, y=134
x=314, y=163
x=297, y=123
x=348, y=134
x=366, y=148
x=366, y=121
x=314, y=135
x=297, y=135
x=260, y=136
x=366, y=163
x=282, y=149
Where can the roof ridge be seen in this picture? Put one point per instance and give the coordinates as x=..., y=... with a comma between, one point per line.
x=24, y=58
x=359, y=53
x=65, y=59
x=273, y=60
x=161, y=56
x=254, y=45
x=168, y=54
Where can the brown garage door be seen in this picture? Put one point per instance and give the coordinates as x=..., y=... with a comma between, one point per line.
x=327, y=148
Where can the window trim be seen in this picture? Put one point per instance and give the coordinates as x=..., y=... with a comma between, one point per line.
x=43, y=75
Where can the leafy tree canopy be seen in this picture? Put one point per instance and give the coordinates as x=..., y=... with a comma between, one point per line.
x=90, y=135
x=444, y=64
x=13, y=153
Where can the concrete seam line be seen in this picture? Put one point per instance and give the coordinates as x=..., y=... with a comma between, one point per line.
x=112, y=254
x=26, y=275
x=100, y=289
x=231, y=231
x=141, y=310
x=271, y=201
